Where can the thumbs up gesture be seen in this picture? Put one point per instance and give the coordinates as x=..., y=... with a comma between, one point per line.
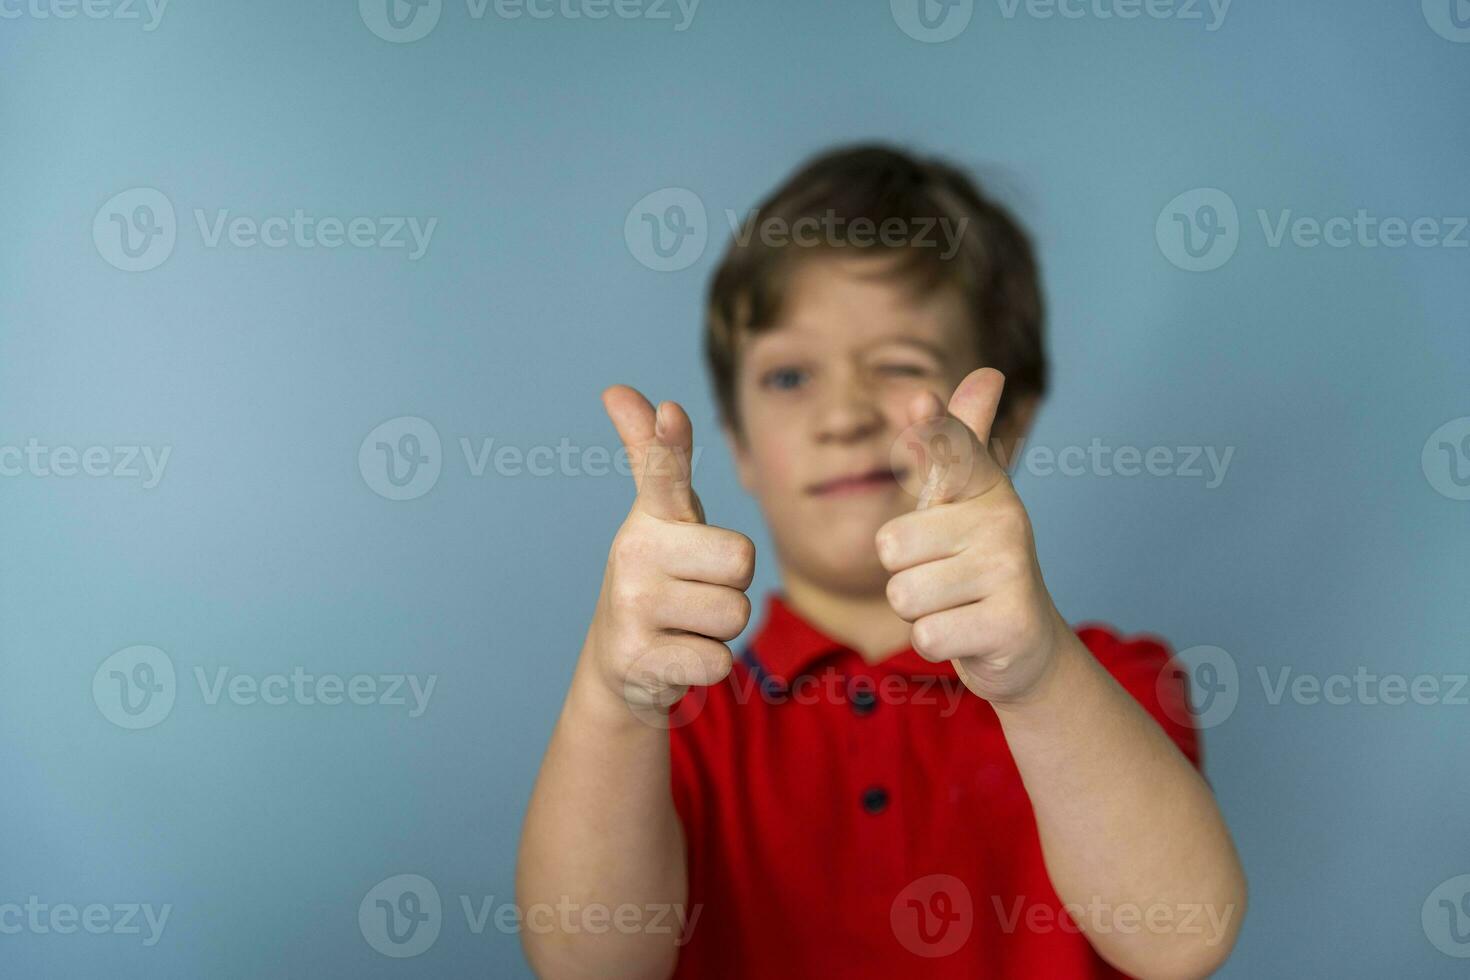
x=963, y=565
x=673, y=594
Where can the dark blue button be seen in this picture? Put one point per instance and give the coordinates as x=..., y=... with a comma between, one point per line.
x=875, y=799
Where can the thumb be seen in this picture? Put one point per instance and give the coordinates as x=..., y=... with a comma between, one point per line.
x=660, y=447
x=976, y=400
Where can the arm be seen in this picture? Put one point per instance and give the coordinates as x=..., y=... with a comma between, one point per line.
x=1147, y=859
x=1133, y=840
x=601, y=829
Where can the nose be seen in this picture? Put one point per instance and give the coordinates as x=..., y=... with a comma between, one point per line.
x=850, y=414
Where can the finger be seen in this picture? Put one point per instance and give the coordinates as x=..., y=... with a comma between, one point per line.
x=660, y=446
x=701, y=553
x=954, y=464
x=933, y=587
x=920, y=536
x=715, y=611
x=948, y=633
x=974, y=631
x=683, y=660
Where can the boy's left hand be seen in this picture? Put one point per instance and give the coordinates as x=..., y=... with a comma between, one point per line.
x=964, y=563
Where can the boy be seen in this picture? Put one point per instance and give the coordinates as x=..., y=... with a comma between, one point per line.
x=916, y=767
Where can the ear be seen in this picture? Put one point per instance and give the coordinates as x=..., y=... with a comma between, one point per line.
x=1008, y=438
x=740, y=452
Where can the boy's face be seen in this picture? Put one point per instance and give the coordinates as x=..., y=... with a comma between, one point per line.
x=823, y=395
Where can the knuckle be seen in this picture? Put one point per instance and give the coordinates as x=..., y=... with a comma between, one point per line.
x=1012, y=517
x=719, y=663
x=731, y=613
x=889, y=542
x=741, y=556
x=740, y=614
x=929, y=639
x=631, y=594
x=900, y=596
x=629, y=545
x=926, y=637
x=1012, y=564
x=622, y=590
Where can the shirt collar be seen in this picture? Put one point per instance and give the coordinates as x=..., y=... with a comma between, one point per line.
x=786, y=646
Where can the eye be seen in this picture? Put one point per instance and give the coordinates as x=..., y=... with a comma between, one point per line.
x=897, y=370
x=783, y=378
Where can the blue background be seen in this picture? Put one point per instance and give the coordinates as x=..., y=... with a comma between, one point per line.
x=264, y=548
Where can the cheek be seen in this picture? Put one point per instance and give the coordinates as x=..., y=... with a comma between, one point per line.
x=777, y=457
x=774, y=446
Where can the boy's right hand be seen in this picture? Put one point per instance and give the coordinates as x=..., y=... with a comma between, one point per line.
x=674, y=591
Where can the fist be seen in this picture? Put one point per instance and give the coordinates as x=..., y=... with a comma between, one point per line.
x=673, y=594
x=963, y=565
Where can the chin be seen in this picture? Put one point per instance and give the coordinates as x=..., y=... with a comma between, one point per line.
x=833, y=544
x=847, y=565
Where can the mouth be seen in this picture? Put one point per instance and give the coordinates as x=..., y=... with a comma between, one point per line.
x=877, y=479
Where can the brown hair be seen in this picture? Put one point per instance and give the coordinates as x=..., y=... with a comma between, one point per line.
x=871, y=187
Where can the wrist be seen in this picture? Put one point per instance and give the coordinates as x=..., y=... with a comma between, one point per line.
x=598, y=698
x=1063, y=657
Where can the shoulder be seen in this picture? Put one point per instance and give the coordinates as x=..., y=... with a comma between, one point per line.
x=1143, y=664
x=1112, y=647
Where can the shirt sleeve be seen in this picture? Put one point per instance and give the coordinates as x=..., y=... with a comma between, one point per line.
x=698, y=749
x=1146, y=668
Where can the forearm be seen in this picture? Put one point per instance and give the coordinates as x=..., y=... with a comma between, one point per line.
x=601, y=830
x=1129, y=829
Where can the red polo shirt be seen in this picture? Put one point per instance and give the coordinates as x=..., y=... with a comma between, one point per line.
x=852, y=820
